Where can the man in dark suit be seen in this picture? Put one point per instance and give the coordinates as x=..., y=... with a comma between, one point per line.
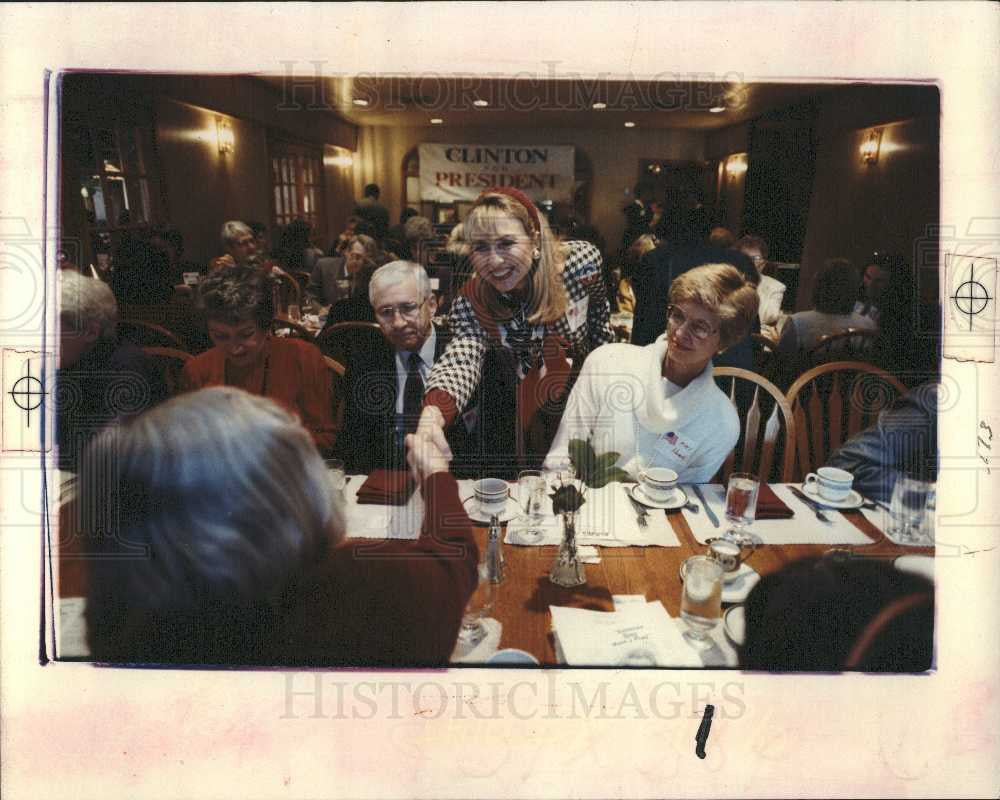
x=637, y=215
x=685, y=248
x=385, y=385
x=374, y=212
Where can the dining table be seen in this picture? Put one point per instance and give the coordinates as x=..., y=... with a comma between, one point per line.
x=524, y=598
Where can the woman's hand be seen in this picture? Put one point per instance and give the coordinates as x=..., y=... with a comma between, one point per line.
x=431, y=427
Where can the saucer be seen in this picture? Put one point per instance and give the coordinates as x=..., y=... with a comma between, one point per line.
x=852, y=501
x=735, y=585
x=735, y=625
x=677, y=500
x=476, y=513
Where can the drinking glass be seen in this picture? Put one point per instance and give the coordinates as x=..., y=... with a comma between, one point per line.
x=336, y=472
x=741, y=503
x=294, y=312
x=908, y=511
x=701, y=599
x=531, y=486
x=472, y=631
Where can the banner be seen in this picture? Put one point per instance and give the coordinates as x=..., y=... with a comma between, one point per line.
x=450, y=172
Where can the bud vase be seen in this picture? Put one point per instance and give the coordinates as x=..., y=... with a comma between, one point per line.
x=568, y=569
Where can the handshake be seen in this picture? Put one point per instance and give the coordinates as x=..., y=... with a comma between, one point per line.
x=427, y=449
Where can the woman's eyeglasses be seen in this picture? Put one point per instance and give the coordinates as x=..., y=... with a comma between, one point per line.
x=700, y=329
x=408, y=311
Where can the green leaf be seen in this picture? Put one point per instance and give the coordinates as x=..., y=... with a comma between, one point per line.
x=582, y=455
x=617, y=474
x=605, y=461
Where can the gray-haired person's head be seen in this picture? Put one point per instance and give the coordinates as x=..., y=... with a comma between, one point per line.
x=221, y=500
x=394, y=273
x=88, y=314
x=232, y=231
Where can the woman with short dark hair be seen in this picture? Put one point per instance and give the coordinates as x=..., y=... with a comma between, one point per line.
x=238, y=309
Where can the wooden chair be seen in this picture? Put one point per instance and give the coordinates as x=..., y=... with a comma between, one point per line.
x=761, y=448
x=148, y=334
x=337, y=370
x=170, y=362
x=832, y=402
x=286, y=291
x=340, y=340
x=765, y=356
x=849, y=345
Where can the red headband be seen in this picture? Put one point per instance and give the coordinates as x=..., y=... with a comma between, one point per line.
x=521, y=198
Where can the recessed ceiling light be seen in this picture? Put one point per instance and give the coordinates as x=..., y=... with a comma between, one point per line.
x=436, y=121
x=599, y=105
x=359, y=101
x=480, y=103
x=716, y=109
x=629, y=124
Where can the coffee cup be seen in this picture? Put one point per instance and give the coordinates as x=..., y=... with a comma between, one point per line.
x=729, y=553
x=491, y=494
x=831, y=483
x=658, y=483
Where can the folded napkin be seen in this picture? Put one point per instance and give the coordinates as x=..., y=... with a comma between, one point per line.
x=770, y=506
x=386, y=487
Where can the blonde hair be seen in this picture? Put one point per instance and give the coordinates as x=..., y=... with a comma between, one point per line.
x=547, y=301
x=721, y=288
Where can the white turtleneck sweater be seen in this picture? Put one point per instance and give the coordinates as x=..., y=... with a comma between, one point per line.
x=622, y=402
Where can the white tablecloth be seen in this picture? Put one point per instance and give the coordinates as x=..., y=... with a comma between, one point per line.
x=803, y=528
x=381, y=522
x=606, y=519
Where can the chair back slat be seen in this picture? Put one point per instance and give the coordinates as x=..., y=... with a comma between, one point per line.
x=758, y=450
x=148, y=334
x=170, y=361
x=752, y=431
x=818, y=396
x=847, y=345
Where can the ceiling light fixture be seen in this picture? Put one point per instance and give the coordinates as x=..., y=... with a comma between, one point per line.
x=480, y=103
x=599, y=106
x=436, y=120
x=360, y=101
x=716, y=109
x=629, y=124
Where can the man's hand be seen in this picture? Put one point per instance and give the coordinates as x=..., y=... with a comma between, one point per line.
x=424, y=457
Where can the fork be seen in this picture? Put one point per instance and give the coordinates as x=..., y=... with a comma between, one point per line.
x=814, y=506
x=640, y=511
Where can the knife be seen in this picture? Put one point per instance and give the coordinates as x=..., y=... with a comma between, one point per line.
x=708, y=509
x=816, y=507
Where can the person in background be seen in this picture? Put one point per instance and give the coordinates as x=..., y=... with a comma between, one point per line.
x=143, y=275
x=630, y=263
x=637, y=215
x=262, y=237
x=341, y=242
x=682, y=247
x=902, y=443
x=531, y=303
x=828, y=615
x=721, y=237
x=371, y=210
x=99, y=378
x=397, y=233
x=295, y=251
x=658, y=406
x=417, y=232
x=239, y=244
x=170, y=242
x=384, y=386
x=833, y=303
x=239, y=310
x=360, y=260
x=770, y=291
x=246, y=560
x=889, y=299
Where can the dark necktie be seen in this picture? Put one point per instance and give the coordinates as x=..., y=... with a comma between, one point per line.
x=413, y=394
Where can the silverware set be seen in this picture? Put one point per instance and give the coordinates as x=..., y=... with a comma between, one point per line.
x=640, y=510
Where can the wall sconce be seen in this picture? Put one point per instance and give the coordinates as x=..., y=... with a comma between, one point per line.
x=736, y=165
x=343, y=160
x=870, y=146
x=224, y=133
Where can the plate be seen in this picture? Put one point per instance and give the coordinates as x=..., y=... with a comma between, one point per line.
x=677, y=500
x=917, y=565
x=476, y=513
x=736, y=585
x=852, y=501
x=735, y=625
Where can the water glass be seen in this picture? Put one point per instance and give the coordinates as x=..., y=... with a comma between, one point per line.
x=472, y=631
x=701, y=600
x=909, y=521
x=741, y=502
x=336, y=473
x=294, y=312
x=531, y=487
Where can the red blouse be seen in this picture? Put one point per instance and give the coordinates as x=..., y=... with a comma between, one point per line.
x=290, y=371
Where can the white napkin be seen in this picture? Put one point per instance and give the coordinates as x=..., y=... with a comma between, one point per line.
x=606, y=519
x=381, y=522
x=72, y=633
x=803, y=528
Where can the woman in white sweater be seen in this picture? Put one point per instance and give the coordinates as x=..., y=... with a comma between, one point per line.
x=659, y=405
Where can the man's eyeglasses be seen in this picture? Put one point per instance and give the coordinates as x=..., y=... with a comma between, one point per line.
x=408, y=311
x=700, y=329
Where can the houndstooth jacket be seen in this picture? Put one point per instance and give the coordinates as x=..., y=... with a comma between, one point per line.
x=585, y=326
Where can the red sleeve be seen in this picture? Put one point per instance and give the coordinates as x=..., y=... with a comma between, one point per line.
x=444, y=402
